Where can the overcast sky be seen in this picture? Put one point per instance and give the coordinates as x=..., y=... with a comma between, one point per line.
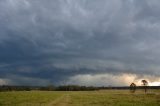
x=85, y=42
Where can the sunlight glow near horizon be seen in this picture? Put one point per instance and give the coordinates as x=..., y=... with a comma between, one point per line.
x=133, y=78
x=154, y=84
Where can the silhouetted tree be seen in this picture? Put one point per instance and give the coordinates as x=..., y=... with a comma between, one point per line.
x=145, y=85
x=133, y=87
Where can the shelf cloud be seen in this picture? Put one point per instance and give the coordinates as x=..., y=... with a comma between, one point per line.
x=46, y=42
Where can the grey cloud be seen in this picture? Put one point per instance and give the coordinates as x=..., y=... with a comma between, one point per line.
x=55, y=40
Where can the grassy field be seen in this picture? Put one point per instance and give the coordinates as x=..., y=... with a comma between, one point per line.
x=88, y=98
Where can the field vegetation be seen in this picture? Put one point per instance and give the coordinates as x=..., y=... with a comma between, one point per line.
x=80, y=98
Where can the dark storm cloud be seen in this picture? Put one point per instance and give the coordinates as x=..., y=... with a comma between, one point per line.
x=53, y=40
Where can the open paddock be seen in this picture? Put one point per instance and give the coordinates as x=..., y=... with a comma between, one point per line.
x=80, y=98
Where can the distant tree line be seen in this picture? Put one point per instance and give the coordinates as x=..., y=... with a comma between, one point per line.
x=14, y=88
x=132, y=88
x=48, y=88
x=76, y=88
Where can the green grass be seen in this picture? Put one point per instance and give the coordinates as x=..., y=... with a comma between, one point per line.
x=86, y=98
x=22, y=98
x=115, y=98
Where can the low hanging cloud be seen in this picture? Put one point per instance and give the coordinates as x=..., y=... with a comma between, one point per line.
x=4, y=81
x=102, y=80
x=112, y=80
x=53, y=41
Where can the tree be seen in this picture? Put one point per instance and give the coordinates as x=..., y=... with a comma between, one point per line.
x=133, y=87
x=145, y=85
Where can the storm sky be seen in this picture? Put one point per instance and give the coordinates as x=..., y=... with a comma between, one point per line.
x=84, y=42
